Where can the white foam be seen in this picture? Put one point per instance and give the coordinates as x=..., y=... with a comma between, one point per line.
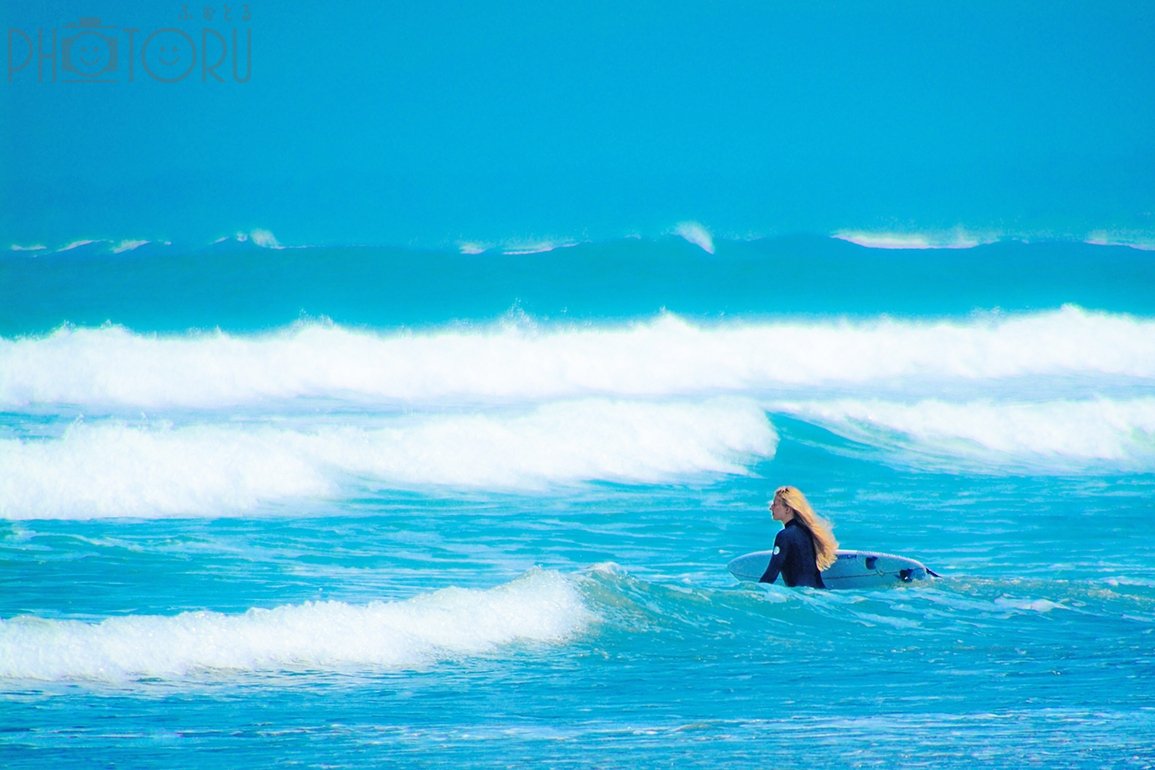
x=1139, y=241
x=537, y=247
x=116, y=470
x=697, y=234
x=952, y=239
x=76, y=245
x=541, y=607
x=471, y=248
x=516, y=361
x=265, y=239
x=1057, y=436
x=32, y=247
x=128, y=245
x=258, y=237
x=1029, y=605
x=517, y=247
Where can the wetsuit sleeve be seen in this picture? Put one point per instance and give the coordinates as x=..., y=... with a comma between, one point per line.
x=781, y=546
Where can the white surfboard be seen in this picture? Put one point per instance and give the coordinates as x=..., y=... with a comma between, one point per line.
x=852, y=569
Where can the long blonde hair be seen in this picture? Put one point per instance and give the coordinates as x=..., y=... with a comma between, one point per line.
x=824, y=543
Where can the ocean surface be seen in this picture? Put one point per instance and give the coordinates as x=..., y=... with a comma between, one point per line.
x=371, y=507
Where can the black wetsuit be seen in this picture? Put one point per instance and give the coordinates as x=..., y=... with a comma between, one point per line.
x=794, y=558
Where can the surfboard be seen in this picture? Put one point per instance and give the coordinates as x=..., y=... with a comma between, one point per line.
x=852, y=569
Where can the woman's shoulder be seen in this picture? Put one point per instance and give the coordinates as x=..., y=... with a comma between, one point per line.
x=786, y=534
x=792, y=531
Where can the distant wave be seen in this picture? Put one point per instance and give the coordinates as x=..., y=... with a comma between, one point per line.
x=257, y=237
x=537, y=247
x=1061, y=436
x=953, y=239
x=1130, y=240
x=80, y=243
x=117, y=470
x=697, y=234
x=515, y=361
x=541, y=607
x=690, y=231
x=129, y=245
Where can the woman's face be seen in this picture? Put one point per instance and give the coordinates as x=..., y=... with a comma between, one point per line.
x=780, y=511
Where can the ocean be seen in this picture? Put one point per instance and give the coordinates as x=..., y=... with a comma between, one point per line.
x=356, y=506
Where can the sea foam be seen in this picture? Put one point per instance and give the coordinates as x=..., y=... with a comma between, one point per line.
x=112, y=469
x=541, y=607
x=951, y=239
x=697, y=234
x=517, y=362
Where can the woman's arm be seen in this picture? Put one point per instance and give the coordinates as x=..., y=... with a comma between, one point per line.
x=781, y=544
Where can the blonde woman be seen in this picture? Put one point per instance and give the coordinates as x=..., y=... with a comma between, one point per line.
x=804, y=547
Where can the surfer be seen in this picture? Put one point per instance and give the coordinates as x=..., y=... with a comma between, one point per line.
x=804, y=547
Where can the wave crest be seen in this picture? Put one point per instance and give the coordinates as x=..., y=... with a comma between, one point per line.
x=118, y=470
x=541, y=607
x=516, y=362
x=1062, y=436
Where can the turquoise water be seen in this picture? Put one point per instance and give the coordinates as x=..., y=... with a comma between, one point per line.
x=373, y=507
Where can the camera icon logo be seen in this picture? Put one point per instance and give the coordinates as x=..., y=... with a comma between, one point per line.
x=89, y=52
